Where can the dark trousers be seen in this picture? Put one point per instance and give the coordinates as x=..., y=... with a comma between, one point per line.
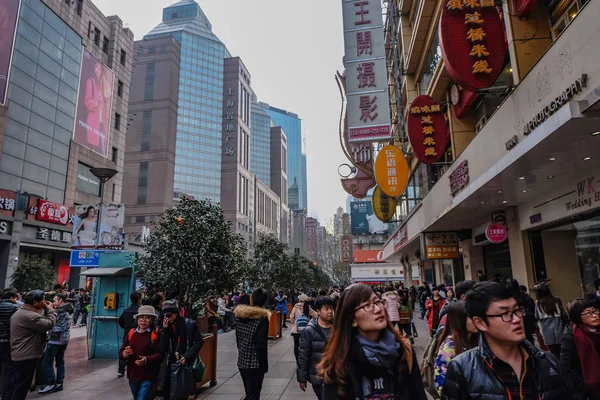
x=296, y=337
x=406, y=328
x=54, y=352
x=423, y=310
x=8, y=368
x=318, y=391
x=253, y=381
x=122, y=365
x=22, y=378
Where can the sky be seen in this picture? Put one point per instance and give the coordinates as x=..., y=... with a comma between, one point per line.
x=292, y=50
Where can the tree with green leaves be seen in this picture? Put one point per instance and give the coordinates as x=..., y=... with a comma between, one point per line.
x=193, y=253
x=34, y=273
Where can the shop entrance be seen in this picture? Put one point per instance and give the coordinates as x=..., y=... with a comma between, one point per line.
x=496, y=259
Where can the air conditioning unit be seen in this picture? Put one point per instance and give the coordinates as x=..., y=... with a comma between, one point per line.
x=480, y=124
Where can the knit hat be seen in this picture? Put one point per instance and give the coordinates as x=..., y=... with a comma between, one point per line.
x=170, y=306
x=146, y=310
x=302, y=297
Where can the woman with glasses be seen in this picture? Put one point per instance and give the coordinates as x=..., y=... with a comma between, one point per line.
x=580, y=353
x=549, y=314
x=366, y=357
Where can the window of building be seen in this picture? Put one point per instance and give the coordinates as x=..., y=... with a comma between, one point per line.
x=89, y=29
x=140, y=219
x=117, y=121
x=149, y=85
x=114, y=190
x=105, y=42
x=562, y=13
x=123, y=57
x=146, y=130
x=79, y=7
x=115, y=154
x=97, y=36
x=120, y=88
x=142, y=183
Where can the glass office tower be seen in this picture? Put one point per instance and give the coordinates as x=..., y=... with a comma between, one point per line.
x=260, y=144
x=292, y=126
x=199, y=124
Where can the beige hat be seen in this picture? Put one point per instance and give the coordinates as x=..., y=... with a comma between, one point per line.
x=146, y=310
x=302, y=297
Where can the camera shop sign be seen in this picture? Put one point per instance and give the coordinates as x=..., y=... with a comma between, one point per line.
x=556, y=104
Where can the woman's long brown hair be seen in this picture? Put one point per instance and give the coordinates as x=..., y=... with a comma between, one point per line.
x=334, y=364
x=456, y=325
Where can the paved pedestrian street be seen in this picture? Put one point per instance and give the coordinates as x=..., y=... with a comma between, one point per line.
x=97, y=379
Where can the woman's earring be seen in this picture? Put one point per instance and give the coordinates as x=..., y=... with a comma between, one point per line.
x=354, y=324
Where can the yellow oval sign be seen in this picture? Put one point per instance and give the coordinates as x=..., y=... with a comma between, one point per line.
x=384, y=206
x=391, y=171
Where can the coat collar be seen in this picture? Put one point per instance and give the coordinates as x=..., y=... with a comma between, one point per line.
x=251, y=312
x=487, y=355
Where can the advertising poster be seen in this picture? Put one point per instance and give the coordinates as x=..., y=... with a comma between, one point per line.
x=112, y=218
x=9, y=15
x=94, y=105
x=85, y=223
x=441, y=246
x=85, y=226
x=363, y=219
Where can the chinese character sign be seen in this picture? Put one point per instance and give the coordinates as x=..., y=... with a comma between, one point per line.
x=473, y=43
x=384, y=206
x=366, y=71
x=427, y=128
x=391, y=171
x=346, y=249
x=55, y=213
x=7, y=202
x=439, y=246
x=459, y=178
x=496, y=233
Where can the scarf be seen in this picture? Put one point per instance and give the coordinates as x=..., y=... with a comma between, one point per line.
x=383, y=353
x=585, y=343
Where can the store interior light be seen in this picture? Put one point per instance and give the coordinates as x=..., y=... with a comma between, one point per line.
x=552, y=159
x=483, y=202
x=522, y=178
x=550, y=177
x=524, y=191
x=587, y=158
x=596, y=133
x=510, y=70
x=499, y=191
x=504, y=202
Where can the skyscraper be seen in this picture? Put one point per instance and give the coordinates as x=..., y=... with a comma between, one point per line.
x=198, y=150
x=292, y=125
x=260, y=144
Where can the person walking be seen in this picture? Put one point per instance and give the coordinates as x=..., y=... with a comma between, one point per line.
x=281, y=306
x=225, y=314
x=84, y=302
x=176, y=346
x=251, y=334
x=434, y=306
x=458, y=336
x=142, y=353
x=528, y=304
x=504, y=365
x=405, y=315
x=550, y=316
x=423, y=297
x=392, y=303
x=299, y=318
x=127, y=322
x=580, y=350
x=8, y=307
x=366, y=358
x=312, y=346
x=57, y=345
x=28, y=327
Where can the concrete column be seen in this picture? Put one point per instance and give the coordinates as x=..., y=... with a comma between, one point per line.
x=520, y=251
x=15, y=247
x=462, y=131
x=528, y=37
x=472, y=258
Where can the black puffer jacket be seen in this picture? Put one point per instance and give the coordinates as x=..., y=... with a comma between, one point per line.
x=470, y=376
x=7, y=309
x=312, y=346
x=571, y=366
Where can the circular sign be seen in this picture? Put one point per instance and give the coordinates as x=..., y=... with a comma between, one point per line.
x=427, y=129
x=496, y=233
x=391, y=171
x=455, y=94
x=384, y=206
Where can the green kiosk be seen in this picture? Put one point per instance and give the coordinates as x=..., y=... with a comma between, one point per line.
x=114, y=280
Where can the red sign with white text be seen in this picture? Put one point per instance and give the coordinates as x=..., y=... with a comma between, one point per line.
x=368, y=256
x=7, y=202
x=34, y=211
x=473, y=42
x=428, y=131
x=55, y=213
x=400, y=238
x=496, y=233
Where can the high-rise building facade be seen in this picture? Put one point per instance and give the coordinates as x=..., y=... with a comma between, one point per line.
x=292, y=125
x=64, y=113
x=260, y=146
x=199, y=149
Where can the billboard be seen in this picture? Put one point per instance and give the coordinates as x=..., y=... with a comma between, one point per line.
x=86, y=181
x=9, y=15
x=94, y=105
x=368, y=256
x=363, y=219
x=441, y=246
x=85, y=226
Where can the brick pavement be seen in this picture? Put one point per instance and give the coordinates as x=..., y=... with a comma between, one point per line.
x=97, y=379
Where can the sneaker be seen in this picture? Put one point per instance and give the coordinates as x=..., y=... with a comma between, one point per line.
x=220, y=331
x=58, y=387
x=120, y=374
x=47, y=389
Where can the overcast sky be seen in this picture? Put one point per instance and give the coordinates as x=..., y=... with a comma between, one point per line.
x=292, y=49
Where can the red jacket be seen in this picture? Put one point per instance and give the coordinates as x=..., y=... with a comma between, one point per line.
x=142, y=345
x=434, y=307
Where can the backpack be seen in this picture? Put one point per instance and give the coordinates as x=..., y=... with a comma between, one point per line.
x=301, y=323
x=427, y=367
x=153, y=335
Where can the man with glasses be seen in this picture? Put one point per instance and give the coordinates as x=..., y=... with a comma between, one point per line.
x=504, y=365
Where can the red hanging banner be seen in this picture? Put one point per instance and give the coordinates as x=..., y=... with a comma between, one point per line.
x=473, y=42
x=427, y=129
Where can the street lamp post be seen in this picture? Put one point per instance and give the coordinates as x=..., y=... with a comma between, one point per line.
x=104, y=175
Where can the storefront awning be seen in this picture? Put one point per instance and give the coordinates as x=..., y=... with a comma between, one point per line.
x=126, y=271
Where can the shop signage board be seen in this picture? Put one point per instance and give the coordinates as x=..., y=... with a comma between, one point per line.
x=55, y=213
x=459, y=178
x=366, y=71
x=368, y=256
x=33, y=211
x=346, y=249
x=53, y=235
x=364, y=221
x=496, y=233
x=440, y=246
x=7, y=202
x=523, y=7
x=391, y=171
x=5, y=228
x=473, y=42
x=427, y=128
x=387, y=272
x=384, y=206
x=85, y=258
x=400, y=238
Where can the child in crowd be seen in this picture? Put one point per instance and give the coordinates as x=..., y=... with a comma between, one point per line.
x=141, y=349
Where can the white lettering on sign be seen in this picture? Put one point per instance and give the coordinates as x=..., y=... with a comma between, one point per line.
x=3, y=227
x=7, y=204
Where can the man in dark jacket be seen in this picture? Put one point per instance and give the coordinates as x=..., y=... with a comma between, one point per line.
x=312, y=345
x=176, y=344
x=127, y=322
x=8, y=306
x=251, y=334
x=504, y=365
